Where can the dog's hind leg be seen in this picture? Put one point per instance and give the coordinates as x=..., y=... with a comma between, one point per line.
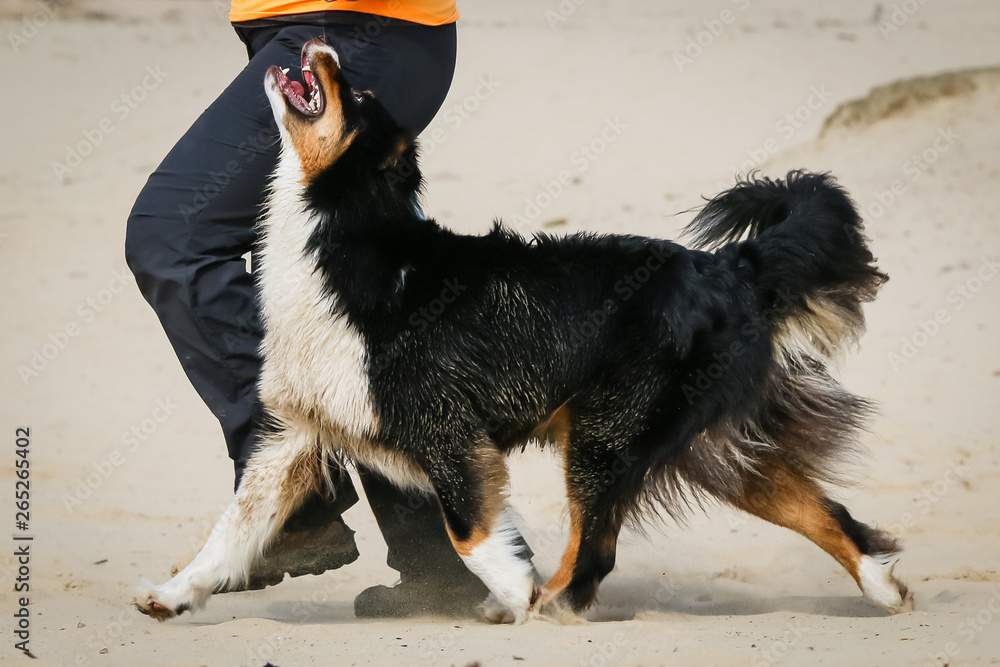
x=599, y=481
x=562, y=577
x=285, y=469
x=782, y=496
x=589, y=557
x=473, y=495
x=596, y=493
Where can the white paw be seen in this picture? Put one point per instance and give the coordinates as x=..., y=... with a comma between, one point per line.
x=164, y=602
x=497, y=612
x=880, y=587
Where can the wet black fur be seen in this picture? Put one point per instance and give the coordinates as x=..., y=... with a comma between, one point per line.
x=475, y=340
x=870, y=541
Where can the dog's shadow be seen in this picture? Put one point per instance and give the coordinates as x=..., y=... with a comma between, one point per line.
x=620, y=599
x=294, y=612
x=286, y=612
x=643, y=599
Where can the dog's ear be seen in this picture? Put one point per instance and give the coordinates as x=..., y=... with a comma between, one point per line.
x=397, y=152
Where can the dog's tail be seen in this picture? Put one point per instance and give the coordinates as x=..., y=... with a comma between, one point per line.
x=807, y=257
x=807, y=251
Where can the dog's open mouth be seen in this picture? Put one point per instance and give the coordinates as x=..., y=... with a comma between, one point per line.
x=307, y=102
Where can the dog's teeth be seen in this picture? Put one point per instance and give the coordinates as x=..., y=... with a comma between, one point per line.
x=284, y=70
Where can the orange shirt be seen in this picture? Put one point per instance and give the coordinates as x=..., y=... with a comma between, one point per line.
x=427, y=12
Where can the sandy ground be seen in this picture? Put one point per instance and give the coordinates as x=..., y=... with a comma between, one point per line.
x=128, y=469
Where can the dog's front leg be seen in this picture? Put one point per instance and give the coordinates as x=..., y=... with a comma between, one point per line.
x=478, y=519
x=495, y=556
x=284, y=470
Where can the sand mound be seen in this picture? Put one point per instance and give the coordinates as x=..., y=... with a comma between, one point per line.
x=907, y=95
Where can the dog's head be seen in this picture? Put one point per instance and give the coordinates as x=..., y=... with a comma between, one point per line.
x=327, y=122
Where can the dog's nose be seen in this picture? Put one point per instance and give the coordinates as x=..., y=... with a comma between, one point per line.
x=318, y=44
x=314, y=42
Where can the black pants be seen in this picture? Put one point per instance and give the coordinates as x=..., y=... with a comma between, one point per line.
x=194, y=221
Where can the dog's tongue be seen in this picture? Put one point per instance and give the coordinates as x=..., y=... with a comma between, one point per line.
x=297, y=87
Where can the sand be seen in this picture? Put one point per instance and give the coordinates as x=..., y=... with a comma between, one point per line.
x=563, y=116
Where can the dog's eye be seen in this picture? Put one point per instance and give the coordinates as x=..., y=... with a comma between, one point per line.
x=358, y=97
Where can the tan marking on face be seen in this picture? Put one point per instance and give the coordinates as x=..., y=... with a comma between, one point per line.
x=319, y=142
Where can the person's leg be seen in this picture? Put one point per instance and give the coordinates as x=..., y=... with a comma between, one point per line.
x=193, y=223
x=433, y=579
x=187, y=234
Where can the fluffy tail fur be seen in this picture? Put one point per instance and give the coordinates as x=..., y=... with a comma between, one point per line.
x=807, y=257
x=806, y=245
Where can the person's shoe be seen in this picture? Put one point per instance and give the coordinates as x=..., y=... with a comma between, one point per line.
x=313, y=541
x=459, y=596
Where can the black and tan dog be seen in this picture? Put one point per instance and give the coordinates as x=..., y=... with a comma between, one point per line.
x=662, y=375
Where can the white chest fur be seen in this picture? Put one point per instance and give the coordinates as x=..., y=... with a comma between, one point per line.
x=314, y=358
